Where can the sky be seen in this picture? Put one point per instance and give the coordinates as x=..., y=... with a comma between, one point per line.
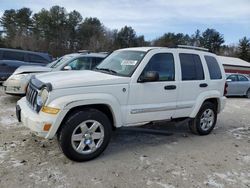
x=153, y=18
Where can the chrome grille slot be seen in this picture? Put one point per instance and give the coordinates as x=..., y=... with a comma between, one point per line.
x=31, y=96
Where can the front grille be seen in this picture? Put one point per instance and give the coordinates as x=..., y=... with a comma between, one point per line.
x=31, y=96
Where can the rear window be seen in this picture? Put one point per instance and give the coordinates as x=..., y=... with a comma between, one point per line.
x=11, y=55
x=213, y=68
x=36, y=59
x=191, y=67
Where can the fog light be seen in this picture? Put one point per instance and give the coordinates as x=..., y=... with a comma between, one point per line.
x=50, y=110
x=46, y=127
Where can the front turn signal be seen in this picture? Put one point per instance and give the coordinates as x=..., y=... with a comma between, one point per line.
x=50, y=110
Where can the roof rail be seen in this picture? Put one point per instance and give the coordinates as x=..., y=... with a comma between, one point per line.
x=84, y=51
x=193, y=47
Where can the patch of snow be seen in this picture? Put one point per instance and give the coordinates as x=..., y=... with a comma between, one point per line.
x=229, y=178
x=212, y=183
x=164, y=185
x=246, y=159
x=49, y=175
x=3, y=154
x=240, y=132
x=8, y=121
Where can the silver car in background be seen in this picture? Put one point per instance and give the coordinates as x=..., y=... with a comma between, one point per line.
x=17, y=83
x=238, y=85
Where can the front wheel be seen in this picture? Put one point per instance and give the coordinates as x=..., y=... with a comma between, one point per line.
x=85, y=135
x=205, y=120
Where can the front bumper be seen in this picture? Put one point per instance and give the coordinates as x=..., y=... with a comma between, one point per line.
x=34, y=121
x=17, y=87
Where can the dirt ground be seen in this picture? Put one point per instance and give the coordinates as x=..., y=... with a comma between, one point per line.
x=133, y=158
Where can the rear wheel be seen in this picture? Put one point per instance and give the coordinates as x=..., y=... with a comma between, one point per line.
x=85, y=135
x=205, y=120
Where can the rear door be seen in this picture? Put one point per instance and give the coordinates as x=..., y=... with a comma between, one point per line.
x=243, y=84
x=193, y=83
x=233, y=85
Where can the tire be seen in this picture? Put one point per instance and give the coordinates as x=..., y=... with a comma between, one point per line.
x=85, y=135
x=248, y=93
x=205, y=120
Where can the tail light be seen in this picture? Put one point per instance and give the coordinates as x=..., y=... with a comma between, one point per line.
x=225, y=89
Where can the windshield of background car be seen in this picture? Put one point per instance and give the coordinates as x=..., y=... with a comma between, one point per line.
x=60, y=61
x=121, y=63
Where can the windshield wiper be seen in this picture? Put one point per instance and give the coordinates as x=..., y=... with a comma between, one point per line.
x=107, y=70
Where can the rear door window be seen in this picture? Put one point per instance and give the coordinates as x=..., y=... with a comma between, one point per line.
x=12, y=55
x=82, y=63
x=242, y=78
x=36, y=59
x=213, y=67
x=191, y=67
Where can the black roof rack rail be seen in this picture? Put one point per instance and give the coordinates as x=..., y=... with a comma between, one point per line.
x=193, y=48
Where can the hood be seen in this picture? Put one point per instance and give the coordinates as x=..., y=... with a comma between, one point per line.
x=64, y=79
x=31, y=69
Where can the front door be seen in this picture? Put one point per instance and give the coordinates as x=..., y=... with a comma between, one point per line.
x=149, y=101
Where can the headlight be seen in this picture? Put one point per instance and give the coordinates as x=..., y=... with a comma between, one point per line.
x=42, y=97
x=18, y=76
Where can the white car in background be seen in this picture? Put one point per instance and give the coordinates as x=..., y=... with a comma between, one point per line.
x=17, y=83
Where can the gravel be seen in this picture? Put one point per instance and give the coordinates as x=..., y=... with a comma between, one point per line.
x=134, y=158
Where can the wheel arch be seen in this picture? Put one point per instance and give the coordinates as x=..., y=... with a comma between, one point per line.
x=211, y=97
x=105, y=108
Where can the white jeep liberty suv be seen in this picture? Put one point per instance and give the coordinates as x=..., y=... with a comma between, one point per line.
x=132, y=86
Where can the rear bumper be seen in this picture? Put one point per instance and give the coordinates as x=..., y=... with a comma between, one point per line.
x=222, y=103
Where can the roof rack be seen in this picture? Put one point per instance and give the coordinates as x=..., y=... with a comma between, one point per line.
x=193, y=48
x=84, y=51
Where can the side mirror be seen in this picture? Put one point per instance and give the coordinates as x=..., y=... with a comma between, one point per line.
x=150, y=76
x=67, y=68
x=229, y=80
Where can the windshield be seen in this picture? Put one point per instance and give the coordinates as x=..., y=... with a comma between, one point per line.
x=59, y=61
x=121, y=62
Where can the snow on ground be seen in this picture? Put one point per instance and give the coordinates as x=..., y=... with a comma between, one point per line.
x=133, y=158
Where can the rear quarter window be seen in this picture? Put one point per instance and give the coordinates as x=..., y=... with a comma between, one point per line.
x=36, y=59
x=191, y=67
x=213, y=68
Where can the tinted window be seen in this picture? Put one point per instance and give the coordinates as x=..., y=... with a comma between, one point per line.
x=163, y=64
x=242, y=78
x=233, y=78
x=191, y=67
x=36, y=59
x=96, y=61
x=213, y=68
x=82, y=63
x=9, y=55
